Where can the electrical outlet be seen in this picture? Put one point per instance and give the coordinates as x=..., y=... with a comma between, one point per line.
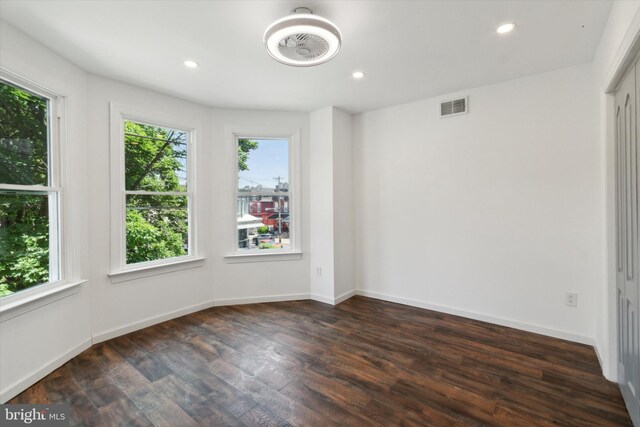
x=571, y=299
x=318, y=271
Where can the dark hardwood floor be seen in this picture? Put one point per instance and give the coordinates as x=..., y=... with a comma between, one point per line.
x=364, y=362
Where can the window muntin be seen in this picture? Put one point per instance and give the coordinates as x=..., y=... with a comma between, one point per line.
x=263, y=214
x=157, y=195
x=29, y=190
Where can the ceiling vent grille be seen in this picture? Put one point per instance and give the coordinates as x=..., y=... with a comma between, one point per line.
x=454, y=107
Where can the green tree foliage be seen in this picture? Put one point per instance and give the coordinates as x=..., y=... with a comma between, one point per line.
x=155, y=160
x=23, y=137
x=147, y=242
x=24, y=226
x=24, y=243
x=244, y=147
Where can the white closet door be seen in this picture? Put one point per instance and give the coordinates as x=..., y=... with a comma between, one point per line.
x=627, y=284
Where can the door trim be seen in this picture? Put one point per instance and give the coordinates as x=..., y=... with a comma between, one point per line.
x=624, y=58
x=607, y=345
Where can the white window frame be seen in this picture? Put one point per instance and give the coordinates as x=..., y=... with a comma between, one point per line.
x=295, y=214
x=120, y=270
x=57, y=245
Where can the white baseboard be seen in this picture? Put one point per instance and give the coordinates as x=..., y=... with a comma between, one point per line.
x=605, y=371
x=132, y=327
x=257, y=300
x=321, y=298
x=340, y=298
x=482, y=317
x=333, y=301
x=26, y=382
x=597, y=350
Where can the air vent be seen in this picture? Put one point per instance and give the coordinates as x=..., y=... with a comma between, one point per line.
x=454, y=107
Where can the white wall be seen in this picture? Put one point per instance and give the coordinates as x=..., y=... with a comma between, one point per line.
x=493, y=214
x=621, y=17
x=118, y=306
x=121, y=307
x=617, y=38
x=332, y=206
x=321, y=207
x=38, y=341
x=244, y=282
x=343, y=213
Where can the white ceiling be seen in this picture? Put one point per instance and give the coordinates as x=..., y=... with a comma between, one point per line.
x=409, y=49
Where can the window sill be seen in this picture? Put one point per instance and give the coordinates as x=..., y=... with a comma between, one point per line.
x=154, y=270
x=262, y=257
x=41, y=297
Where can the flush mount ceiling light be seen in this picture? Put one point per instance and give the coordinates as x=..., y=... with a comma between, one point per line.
x=358, y=74
x=302, y=39
x=505, y=28
x=190, y=64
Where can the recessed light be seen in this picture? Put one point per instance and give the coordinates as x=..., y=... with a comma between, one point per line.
x=190, y=64
x=505, y=28
x=358, y=74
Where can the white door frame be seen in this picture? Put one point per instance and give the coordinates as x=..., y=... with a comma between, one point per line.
x=624, y=58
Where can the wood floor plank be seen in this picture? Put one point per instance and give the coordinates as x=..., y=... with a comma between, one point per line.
x=139, y=358
x=336, y=387
x=224, y=406
x=261, y=416
x=264, y=369
x=300, y=391
x=127, y=378
x=36, y=394
x=161, y=411
x=229, y=398
x=83, y=411
x=103, y=391
x=123, y=412
x=272, y=399
x=364, y=362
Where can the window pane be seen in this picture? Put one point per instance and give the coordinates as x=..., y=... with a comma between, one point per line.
x=23, y=137
x=263, y=194
x=26, y=256
x=157, y=227
x=155, y=158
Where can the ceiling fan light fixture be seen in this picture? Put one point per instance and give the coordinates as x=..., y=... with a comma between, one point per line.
x=302, y=39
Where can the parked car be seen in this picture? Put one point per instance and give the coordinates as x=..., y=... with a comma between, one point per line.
x=263, y=238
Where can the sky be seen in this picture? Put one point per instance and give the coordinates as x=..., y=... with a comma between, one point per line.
x=270, y=160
